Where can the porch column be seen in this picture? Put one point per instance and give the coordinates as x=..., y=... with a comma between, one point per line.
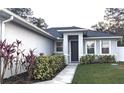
x=65, y=47
x=80, y=45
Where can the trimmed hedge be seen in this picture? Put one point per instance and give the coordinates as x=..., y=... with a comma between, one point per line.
x=48, y=66
x=106, y=59
x=87, y=59
x=90, y=59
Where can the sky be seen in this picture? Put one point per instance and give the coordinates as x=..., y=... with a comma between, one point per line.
x=70, y=13
x=59, y=13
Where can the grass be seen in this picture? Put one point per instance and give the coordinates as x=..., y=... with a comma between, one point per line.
x=99, y=74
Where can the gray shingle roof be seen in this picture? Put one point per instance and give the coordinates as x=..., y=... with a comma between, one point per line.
x=87, y=32
x=54, y=32
x=92, y=33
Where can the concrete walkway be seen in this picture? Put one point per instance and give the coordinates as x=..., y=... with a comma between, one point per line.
x=64, y=77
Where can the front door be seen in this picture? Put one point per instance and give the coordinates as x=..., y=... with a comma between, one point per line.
x=74, y=51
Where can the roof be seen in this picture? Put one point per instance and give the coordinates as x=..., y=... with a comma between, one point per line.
x=54, y=32
x=92, y=33
x=58, y=31
x=17, y=19
x=87, y=32
x=65, y=28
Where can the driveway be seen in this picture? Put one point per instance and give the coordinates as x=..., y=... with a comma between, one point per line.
x=64, y=77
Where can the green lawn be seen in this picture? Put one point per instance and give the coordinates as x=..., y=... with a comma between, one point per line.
x=99, y=74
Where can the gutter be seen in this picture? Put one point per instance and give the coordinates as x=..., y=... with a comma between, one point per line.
x=2, y=38
x=3, y=26
x=35, y=28
x=8, y=20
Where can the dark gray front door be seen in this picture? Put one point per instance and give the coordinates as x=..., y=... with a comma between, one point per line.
x=74, y=51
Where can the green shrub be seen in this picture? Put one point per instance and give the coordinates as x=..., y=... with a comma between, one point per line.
x=89, y=59
x=106, y=59
x=57, y=62
x=48, y=66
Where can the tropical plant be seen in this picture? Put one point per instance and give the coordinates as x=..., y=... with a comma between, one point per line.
x=11, y=57
x=6, y=56
x=30, y=63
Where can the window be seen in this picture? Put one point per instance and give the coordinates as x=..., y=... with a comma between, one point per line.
x=59, y=46
x=105, y=47
x=90, y=45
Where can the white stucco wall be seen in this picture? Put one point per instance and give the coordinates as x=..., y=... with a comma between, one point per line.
x=113, y=46
x=120, y=54
x=30, y=40
x=66, y=46
x=0, y=29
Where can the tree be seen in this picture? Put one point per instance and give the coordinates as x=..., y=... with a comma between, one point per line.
x=39, y=22
x=101, y=26
x=22, y=12
x=27, y=14
x=113, y=22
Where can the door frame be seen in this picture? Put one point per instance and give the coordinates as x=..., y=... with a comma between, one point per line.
x=70, y=61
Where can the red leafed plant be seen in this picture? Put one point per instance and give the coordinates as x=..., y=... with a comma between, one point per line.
x=30, y=63
x=6, y=56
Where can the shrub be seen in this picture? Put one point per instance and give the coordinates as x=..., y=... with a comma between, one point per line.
x=10, y=55
x=48, y=66
x=30, y=63
x=106, y=59
x=89, y=59
x=57, y=62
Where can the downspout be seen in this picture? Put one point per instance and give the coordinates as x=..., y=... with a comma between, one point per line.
x=2, y=38
x=3, y=25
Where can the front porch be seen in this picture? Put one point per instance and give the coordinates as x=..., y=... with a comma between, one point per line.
x=73, y=47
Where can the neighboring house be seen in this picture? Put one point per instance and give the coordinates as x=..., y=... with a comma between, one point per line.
x=73, y=42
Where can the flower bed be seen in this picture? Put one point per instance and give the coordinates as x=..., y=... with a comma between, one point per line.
x=46, y=68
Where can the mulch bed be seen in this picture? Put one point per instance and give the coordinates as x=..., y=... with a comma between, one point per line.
x=23, y=79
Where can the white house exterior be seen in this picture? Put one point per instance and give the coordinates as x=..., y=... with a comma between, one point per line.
x=13, y=27
x=73, y=42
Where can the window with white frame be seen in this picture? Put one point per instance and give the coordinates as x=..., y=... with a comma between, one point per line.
x=105, y=49
x=59, y=46
x=90, y=45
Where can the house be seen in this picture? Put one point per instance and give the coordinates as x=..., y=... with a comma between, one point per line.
x=13, y=27
x=73, y=42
